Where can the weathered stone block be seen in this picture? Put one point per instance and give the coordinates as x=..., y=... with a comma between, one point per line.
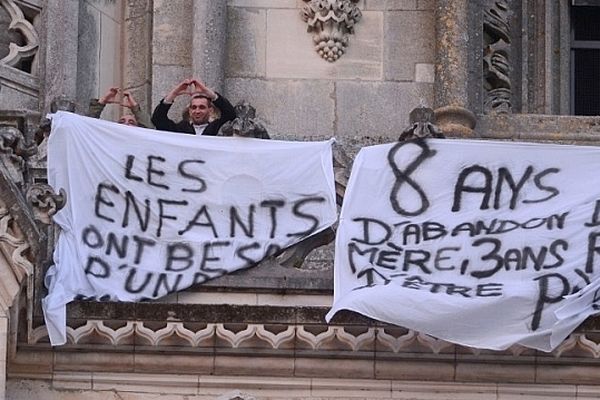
x=58, y=69
x=209, y=42
x=172, y=38
x=99, y=52
x=246, y=50
x=148, y=383
x=110, y=53
x=547, y=373
x=262, y=3
x=137, y=8
x=402, y=369
x=347, y=389
x=138, y=46
x=72, y=380
x=424, y=73
x=299, y=108
x=164, y=78
x=409, y=39
x=494, y=372
x=332, y=368
x=538, y=391
x=261, y=366
x=425, y=4
x=108, y=8
x=73, y=361
x=391, y=5
x=372, y=109
x=199, y=363
x=253, y=387
x=291, y=50
x=87, y=54
x=443, y=391
x=15, y=99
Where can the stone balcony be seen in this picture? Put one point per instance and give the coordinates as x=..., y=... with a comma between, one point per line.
x=261, y=329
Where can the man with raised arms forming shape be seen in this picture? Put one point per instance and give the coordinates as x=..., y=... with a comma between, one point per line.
x=137, y=117
x=200, y=108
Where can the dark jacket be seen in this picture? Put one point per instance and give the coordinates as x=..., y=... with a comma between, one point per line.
x=164, y=123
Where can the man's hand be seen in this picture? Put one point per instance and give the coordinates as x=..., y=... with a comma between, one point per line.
x=180, y=89
x=199, y=87
x=109, y=97
x=128, y=100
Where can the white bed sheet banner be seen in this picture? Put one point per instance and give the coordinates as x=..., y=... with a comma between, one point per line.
x=485, y=244
x=150, y=213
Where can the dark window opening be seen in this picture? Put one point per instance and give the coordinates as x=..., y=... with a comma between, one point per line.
x=585, y=59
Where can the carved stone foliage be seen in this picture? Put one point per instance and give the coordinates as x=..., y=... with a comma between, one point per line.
x=19, y=41
x=496, y=57
x=331, y=22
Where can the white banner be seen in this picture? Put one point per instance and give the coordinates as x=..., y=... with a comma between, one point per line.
x=150, y=213
x=480, y=243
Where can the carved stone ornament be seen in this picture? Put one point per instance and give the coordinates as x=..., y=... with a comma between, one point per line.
x=9, y=141
x=422, y=125
x=330, y=22
x=236, y=395
x=496, y=57
x=14, y=245
x=12, y=143
x=17, y=52
x=387, y=339
x=62, y=103
x=245, y=124
x=45, y=202
x=13, y=151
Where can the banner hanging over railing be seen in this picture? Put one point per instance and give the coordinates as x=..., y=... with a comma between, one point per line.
x=485, y=244
x=150, y=213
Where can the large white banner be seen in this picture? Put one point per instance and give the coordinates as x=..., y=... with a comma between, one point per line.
x=149, y=213
x=481, y=243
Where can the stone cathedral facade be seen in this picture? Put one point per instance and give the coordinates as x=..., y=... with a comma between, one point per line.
x=313, y=69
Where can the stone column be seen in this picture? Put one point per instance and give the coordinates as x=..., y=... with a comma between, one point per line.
x=137, y=54
x=59, y=47
x=210, y=42
x=452, y=68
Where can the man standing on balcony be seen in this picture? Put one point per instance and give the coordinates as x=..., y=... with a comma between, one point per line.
x=137, y=117
x=200, y=110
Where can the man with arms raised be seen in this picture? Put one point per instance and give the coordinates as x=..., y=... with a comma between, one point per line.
x=201, y=107
x=138, y=117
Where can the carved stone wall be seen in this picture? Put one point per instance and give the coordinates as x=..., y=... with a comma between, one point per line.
x=20, y=43
x=19, y=54
x=497, y=60
x=385, y=71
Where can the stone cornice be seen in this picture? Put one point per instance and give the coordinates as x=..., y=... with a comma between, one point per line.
x=296, y=350
x=154, y=327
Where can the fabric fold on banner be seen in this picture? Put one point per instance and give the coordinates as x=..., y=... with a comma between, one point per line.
x=149, y=213
x=481, y=243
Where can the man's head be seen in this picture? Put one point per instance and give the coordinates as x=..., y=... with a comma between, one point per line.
x=128, y=119
x=200, y=109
